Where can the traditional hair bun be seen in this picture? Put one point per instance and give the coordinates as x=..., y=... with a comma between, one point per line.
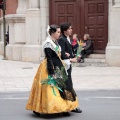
x=53, y=29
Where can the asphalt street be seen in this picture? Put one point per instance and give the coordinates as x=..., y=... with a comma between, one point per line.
x=96, y=105
x=98, y=90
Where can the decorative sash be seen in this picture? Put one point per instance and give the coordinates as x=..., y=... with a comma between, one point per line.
x=50, y=44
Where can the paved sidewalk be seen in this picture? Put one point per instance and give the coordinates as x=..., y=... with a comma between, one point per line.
x=18, y=76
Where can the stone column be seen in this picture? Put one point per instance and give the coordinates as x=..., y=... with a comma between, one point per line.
x=1, y=37
x=32, y=50
x=113, y=46
x=44, y=7
x=22, y=6
x=17, y=36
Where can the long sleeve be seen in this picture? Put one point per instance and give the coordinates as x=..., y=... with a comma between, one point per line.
x=89, y=43
x=50, y=66
x=62, y=45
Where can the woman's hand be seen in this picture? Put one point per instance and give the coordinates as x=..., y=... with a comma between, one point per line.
x=84, y=44
x=67, y=54
x=73, y=59
x=54, y=76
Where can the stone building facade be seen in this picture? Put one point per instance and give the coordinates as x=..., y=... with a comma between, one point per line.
x=27, y=21
x=113, y=46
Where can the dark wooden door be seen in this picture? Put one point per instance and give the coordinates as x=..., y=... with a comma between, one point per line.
x=96, y=23
x=65, y=11
x=86, y=16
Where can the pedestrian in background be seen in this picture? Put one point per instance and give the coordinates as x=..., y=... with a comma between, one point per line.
x=87, y=48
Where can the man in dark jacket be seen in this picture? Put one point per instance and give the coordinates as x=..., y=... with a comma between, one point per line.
x=67, y=54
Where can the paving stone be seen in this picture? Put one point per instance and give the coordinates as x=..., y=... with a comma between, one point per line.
x=18, y=76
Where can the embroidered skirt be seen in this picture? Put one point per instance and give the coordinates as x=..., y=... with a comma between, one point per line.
x=43, y=100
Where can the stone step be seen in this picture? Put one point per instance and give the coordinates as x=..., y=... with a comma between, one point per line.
x=94, y=60
x=89, y=64
x=96, y=56
x=97, y=60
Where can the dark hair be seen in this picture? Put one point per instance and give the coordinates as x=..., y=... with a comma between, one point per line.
x=64, y=26
x=53, y=29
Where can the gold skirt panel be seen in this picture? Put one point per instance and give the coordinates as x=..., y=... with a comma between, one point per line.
x=43, y=100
